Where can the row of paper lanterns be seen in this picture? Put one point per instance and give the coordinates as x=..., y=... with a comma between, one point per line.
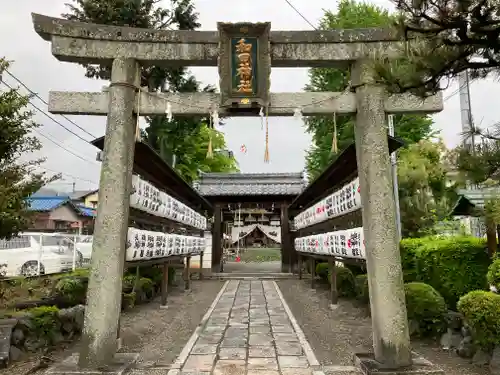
x=349, y=243
x=145, y=245
x=341, y=202
x=146, y=197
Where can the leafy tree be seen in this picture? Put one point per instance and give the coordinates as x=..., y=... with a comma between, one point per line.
x=446, y=38
x=424, y=197
x=168, y=138
x=410, y=128
x=17, y=179
x=195, y=148
x=480, y=165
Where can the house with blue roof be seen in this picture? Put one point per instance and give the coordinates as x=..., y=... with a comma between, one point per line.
x=60, y=213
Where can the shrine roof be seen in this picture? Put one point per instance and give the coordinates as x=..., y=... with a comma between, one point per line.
x=250, y=184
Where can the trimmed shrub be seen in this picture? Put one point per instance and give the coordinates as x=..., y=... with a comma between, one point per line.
x=481, y=311
x=454, y=266
x=128, y=300
x=345, y=281
x=409, y=248
x=426, y=307
x=322, y=270
x=73, y=289
x=361, y=288
x=356, y=270
x=493, y=275
x=45, y=322
x=153, y=273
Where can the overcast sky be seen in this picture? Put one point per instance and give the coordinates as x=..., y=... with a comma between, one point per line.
x=41, y=72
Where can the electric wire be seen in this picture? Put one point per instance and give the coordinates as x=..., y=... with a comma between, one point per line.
x=300, y=14
x=63, y=174
x=46, y=137
x=45, y=102
x=50, y=117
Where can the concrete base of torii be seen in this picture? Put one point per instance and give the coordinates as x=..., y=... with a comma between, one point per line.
x=420, y=366
x=120, y=364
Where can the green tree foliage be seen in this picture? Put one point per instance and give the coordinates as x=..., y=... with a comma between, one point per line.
x=350, y=14
x=195, y=149
x=446, y=38
x=17, y=179
x=480, y=165
x=168, y=138
x=424, y=197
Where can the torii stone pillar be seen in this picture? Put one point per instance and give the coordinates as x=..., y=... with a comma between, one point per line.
x=391, y=339
x=108, y=250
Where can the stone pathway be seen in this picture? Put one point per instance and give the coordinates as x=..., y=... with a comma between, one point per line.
x=250, y=330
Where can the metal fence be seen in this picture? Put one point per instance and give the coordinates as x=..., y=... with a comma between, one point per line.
x=35, y=254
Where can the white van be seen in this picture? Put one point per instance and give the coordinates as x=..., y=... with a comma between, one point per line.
x=32, y=254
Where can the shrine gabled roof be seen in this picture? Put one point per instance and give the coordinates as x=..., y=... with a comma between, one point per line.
x=250, y=184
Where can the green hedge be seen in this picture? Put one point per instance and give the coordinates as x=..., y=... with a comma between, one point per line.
x=493, y=275
x=345, y=281
x=454, y=266
x=322, y=271
x=426, y=307
x=345, y=278
x=481, y=311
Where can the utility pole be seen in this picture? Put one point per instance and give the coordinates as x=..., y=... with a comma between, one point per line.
x=394, y=169
x=465, y=108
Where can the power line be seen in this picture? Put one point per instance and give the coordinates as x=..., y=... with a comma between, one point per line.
x=45, y=102
x=300, y=14
x=67, y=175
x=46, y=137
x=50, y=117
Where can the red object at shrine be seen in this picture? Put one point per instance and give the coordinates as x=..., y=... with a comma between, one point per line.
x=238, y=259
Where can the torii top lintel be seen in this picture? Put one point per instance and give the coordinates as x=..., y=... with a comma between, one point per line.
x=91, y=43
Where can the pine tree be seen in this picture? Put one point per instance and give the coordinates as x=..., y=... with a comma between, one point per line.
x=167, y=138
x=444, y=38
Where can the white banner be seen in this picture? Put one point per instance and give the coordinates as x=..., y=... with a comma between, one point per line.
x=349, y=243
x=273, y=233
x=341, y=202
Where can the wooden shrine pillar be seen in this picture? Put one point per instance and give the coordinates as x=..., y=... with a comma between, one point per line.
x=217, y=239
x=286, y=244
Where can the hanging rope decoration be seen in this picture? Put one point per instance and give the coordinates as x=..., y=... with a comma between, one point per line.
x=334, y=149
x=266, y=152
x=210, y=153
x=261, y=114
x=137, y=127
x=214, y=119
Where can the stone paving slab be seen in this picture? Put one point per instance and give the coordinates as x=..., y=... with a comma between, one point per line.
x=249, y=332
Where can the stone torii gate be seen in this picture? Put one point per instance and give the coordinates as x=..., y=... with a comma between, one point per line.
x=243, y=92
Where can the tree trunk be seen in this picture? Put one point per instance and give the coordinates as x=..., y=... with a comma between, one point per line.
x=491, y=237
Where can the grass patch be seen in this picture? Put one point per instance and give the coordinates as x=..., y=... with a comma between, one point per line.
x=260, y=255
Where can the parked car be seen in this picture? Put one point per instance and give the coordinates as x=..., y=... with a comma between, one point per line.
x=31, y=254
x=84, y=248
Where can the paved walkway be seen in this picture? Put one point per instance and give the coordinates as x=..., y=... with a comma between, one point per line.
x=249, y=329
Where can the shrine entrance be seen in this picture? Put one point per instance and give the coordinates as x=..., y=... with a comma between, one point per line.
x=250, y=230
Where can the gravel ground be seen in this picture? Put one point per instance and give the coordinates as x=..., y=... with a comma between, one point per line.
x=157, y=334
x=336, y=335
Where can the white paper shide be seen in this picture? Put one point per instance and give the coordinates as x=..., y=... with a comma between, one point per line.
x=147, y=198
x=349, y=243
x=341, y=202
x=145, y=245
